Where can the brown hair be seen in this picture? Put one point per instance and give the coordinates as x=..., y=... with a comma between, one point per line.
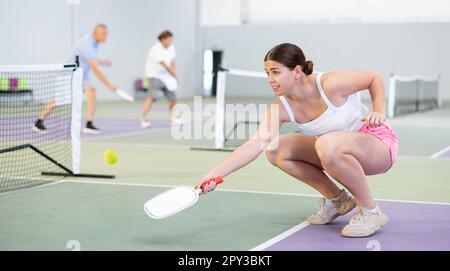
x=290, y=55
x=165, y=34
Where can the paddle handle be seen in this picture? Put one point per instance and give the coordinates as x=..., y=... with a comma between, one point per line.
x=124, y=95
x=218, y=180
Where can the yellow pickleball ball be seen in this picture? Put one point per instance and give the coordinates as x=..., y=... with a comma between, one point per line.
x=110, y=157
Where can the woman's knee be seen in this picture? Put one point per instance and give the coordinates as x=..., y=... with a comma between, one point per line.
x=276, y=156
x=274, y=149
x=328, y=150
x=272, y=155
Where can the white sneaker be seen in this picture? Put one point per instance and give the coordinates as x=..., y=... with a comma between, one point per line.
x=39, y=128
x=145, y=123
x=365, y=222
x=330, y=209
x=91, y=131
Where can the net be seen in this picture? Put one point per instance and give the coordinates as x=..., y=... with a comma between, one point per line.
x=409, y=94
x=26, y=153
x=242, y=99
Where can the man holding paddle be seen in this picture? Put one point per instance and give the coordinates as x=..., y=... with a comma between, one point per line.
x=161, y=73
x=86, y=49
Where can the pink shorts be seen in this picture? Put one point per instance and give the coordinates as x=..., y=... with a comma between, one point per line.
x=385, y=133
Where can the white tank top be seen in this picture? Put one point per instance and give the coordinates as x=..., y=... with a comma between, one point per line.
x=344, y=118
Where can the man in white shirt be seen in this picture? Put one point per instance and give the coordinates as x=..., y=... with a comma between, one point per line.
x=161, y=73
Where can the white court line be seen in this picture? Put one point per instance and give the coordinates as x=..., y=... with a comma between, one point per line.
x=413, y=201
x=172, y=186
x=437, y=154
x=120, y=184
x=144, y=132
x=270, y=193
x=245, y=191
x=219, y=190
x=280, y=237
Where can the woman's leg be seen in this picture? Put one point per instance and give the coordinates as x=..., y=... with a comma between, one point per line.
x=349, y=157
x=296, y=155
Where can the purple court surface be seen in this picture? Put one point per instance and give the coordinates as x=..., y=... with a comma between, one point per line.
x=411, y=226
x=20, y=128
x=58, y=128
x=445, y=154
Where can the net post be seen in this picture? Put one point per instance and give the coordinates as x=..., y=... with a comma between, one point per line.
x=391, y=100
x=417, y=95
x=75, y=121
x=220, y=110
x=439, y=91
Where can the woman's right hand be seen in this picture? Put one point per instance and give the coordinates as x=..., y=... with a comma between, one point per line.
x=209, y=183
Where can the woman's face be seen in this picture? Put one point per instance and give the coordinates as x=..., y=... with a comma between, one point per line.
x=280, y=77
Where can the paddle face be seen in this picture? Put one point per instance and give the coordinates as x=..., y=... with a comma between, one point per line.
x=171, y=202
x=170, y=82
x=124, y=95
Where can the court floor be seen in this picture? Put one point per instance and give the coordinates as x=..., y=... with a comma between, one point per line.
x=257, y=208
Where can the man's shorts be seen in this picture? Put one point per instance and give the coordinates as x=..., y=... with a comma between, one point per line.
x=87, y=83
x=156, y=86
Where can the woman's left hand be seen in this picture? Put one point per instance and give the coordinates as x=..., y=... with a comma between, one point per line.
x=374, y=119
